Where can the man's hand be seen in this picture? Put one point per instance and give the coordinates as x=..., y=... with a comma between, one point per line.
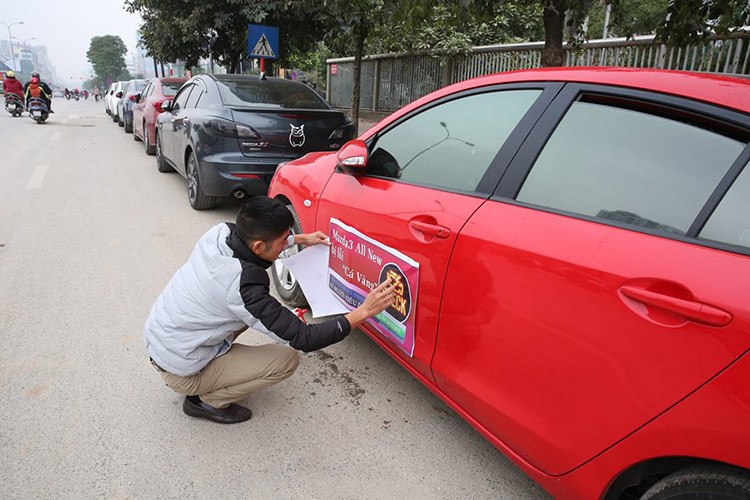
x=309, y=239
x=378, y=300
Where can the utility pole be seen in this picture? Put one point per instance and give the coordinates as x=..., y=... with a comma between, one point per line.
x=10, y=39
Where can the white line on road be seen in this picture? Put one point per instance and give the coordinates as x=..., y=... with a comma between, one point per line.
x=74, y=117
x=55, y=137
x=37, y=178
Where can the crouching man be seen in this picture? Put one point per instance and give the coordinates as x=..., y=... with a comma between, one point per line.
x=222, y=290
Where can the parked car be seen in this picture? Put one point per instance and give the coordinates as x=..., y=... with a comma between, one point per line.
x=227, y=133
x=126, y=102
x=583, y=243
x=113, y=96
x=148, y=107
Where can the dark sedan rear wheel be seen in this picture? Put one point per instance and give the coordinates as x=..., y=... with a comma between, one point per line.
x=286, y=284
x=161, y=163
x=198, y=199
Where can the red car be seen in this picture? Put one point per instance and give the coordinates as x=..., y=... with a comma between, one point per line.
x=583, y=241
x=148, y=107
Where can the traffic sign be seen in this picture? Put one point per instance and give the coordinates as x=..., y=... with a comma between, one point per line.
x=262, y=41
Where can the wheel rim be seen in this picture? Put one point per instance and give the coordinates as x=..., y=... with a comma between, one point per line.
x=158, y=150
x=192, y=179
x=145, y=136
x=283, y=274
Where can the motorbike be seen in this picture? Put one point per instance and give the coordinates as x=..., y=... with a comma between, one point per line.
x=14, y=104
x=38, y=110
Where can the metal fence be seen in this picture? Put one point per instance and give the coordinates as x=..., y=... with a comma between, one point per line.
x=389, y=81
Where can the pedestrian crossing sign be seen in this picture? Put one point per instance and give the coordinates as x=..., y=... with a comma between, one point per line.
x=262, y=41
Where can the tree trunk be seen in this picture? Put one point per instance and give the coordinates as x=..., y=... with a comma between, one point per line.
x=361, y=34
x=554, y=22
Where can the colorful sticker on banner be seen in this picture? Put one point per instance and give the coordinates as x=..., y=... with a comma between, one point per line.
x=358, y=264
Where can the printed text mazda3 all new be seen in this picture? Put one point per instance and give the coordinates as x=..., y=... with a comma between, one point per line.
x=583, y=242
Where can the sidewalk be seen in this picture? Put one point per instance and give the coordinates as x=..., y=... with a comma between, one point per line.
x=366, y=119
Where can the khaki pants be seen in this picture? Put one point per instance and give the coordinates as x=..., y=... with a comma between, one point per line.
x=241, y=371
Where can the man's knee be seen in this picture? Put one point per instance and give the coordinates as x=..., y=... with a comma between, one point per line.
x=289, y=359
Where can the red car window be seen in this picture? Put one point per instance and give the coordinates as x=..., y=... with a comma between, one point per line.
x=634, y=168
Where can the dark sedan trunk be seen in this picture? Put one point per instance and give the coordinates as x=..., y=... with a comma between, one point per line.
x=288, y=133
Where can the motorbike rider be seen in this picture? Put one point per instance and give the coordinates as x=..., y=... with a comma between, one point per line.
x=35, y=90
x=45, y=94
x=12, y=85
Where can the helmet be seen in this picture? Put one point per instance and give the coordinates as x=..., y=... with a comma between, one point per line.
x=35, y=80
x=10, y=74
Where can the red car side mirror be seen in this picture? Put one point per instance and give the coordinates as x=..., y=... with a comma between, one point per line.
x=352, y=157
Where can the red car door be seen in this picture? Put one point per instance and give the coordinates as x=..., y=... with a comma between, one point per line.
x=426, y=176
x=600, y=307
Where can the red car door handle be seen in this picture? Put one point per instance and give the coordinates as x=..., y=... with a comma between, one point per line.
x=690, y=309
x=430, y=229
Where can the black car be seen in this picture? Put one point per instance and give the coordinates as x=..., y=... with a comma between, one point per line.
x=227, y=133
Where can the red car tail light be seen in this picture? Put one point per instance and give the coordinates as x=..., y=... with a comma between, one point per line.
x=246, y=176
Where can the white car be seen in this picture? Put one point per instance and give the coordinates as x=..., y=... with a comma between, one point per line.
x=110, y=99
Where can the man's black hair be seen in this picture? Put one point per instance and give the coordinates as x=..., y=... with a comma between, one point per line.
x=263, y=218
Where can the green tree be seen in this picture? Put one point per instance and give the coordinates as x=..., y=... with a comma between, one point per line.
x=451, y=26
x=218, y=28
x=684, y=21
x=107, y=56
x=688, y=21
x=347, y=25
x=635, y=17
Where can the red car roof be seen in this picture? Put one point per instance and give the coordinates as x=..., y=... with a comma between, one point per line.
x=730, y=92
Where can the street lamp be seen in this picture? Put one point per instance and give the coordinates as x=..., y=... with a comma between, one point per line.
x=10, y=39
x=24, y=42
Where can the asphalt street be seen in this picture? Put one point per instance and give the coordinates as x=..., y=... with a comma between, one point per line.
x=90, y=232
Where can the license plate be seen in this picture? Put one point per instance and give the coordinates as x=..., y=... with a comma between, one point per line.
x=35, y=113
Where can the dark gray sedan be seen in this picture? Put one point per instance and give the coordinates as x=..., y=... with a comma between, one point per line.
x=226, y=134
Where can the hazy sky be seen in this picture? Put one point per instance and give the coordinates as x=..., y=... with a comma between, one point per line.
x=66, y=27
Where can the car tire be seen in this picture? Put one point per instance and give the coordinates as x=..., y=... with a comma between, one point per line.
x=115, y=118
x=129, y=127
x=197, y=198
x=150, y=148
x=284, y=281
x=135, y=136
x=713, y=481
x=120, y=122
x=161, y=162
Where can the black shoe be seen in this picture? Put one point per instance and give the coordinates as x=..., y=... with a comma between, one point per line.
x=230, y=415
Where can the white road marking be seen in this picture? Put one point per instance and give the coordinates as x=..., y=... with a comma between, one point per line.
x=74, y=117
x=55, y=137
x=37, y=178
x=64, y=121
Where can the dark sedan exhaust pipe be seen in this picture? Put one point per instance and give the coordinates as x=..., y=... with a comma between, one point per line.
x=238, y=193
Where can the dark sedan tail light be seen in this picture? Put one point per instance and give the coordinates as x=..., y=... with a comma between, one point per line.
x=342, y=133
x=230, y=129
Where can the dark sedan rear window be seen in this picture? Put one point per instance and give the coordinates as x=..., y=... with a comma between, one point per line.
x=270, y=94
x=170, y=88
